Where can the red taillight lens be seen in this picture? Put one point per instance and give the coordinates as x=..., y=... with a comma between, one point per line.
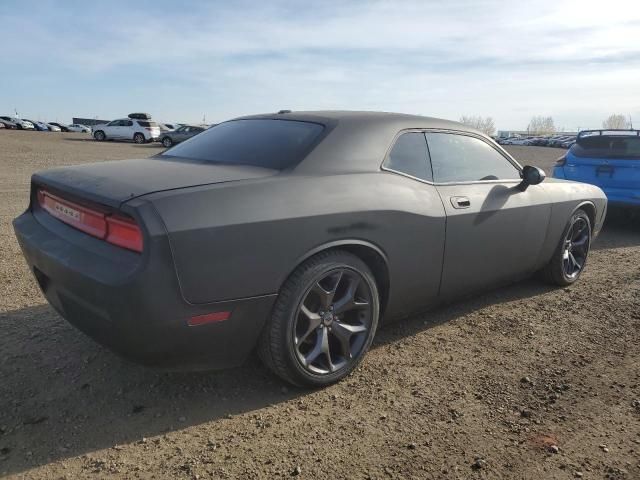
x=116, y=229
x=124, y=232
x=561, y=162
x=82, y=218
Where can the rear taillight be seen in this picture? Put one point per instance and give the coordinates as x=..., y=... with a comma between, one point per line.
x=561, y=162
x=114, y=228
x=124, y=232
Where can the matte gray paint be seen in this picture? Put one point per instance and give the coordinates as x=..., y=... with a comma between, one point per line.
x=238, y=231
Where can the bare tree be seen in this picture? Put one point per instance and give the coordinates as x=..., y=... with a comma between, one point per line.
x=616, y=121
x=541, y=126
x=484, y=124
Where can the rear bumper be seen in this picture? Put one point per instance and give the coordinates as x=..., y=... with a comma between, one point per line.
x=131, y=303
x=623, y=197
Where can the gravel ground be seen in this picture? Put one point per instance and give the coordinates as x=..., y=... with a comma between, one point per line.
x=525, y=382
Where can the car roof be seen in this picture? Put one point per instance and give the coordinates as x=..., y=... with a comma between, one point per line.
x=357, y=141
x=364, y=117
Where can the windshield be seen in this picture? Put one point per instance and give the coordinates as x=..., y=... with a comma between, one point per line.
x=275, y=144
x=608, y=146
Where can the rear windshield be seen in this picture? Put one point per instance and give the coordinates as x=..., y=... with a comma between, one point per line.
x=607, y=146
x=142, y=123
x=275, y=144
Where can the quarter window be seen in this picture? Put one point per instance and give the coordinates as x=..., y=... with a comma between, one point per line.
x=409, y=155
x=461, y=158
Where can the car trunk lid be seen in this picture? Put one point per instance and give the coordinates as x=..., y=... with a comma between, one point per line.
x=115, y=182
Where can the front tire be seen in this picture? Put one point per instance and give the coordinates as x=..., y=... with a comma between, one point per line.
x=99, y=136
x=139, y=138
x=167, y=142
x=570, y=258
x=323, y=322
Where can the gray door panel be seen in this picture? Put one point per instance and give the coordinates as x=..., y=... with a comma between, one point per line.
x=494, y=234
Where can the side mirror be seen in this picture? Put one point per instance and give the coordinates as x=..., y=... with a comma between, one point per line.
x=531, y=176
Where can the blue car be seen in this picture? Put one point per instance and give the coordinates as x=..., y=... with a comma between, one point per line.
x=609, y=159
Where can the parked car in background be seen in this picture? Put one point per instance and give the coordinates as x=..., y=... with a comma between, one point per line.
x=609, y=159
x=8, y=124
x=20, y=124
x=559, y=140
x=61, y=126
x=76, y=127
x=140, y=131
x=283, y=233
x=186, y=131
x=53, y=128
x=568, y=143
x=2, y=127
x=518, y=141
x=40, y=126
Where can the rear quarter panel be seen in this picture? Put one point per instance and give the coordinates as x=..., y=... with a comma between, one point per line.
x=244, y=239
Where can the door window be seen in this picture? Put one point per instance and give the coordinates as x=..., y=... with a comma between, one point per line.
x=462, y=158
x=409, y=155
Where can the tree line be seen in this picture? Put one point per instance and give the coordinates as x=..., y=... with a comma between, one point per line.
x=540, y=125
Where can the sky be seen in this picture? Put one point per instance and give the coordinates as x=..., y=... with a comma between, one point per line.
x=577, y=61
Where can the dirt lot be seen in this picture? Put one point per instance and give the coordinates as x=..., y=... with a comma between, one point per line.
x=479, y=389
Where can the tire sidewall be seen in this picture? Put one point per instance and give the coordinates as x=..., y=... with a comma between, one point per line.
x=99, y=136
x=301, y=375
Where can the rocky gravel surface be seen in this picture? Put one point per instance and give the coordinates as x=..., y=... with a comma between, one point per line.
x=526, y=382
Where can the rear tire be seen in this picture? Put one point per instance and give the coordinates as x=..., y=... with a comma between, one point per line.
x=99, y=136
x=570, y=257
x=323, y=321
x=139, y=138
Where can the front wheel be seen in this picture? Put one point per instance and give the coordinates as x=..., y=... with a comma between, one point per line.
x=99, y=136
x=167, y=142
x=323, y=322
x=570, y=257
x=139, y=138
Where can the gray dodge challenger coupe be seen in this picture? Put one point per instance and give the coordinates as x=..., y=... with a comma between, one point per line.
x=294, y=234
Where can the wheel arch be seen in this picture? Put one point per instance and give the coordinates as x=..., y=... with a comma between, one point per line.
x=590, y=209
x=372, y=255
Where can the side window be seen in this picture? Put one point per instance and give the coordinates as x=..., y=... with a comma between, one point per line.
x=115, y=123
x=409, y=155
x=461, y=158
x=127, y=123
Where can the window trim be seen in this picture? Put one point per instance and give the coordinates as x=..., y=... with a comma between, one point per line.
x=499, y=150
x=395, y=140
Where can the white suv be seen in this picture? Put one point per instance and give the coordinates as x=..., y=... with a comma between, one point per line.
x=140, y=131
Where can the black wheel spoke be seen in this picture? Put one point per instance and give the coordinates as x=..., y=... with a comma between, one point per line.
x=313, y=324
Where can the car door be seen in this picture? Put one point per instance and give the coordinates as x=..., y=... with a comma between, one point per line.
x=127, y=129
x=494, y=231
x=184, y=133
x=112, y=129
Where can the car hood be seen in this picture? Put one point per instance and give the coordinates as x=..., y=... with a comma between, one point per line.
x=115, y=182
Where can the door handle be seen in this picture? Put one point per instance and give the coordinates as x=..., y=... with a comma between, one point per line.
x=460, y=202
